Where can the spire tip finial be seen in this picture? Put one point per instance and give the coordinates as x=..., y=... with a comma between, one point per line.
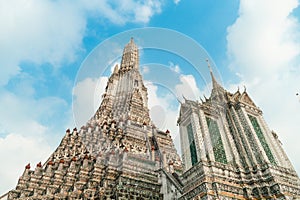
x=208, y=65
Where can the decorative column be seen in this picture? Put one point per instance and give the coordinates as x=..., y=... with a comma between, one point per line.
x=198, y=135
x=255, y=137
x=207, y=141
x=246, y=145
x=229, y=146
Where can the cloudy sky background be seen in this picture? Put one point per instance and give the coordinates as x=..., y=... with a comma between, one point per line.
x=43, y=43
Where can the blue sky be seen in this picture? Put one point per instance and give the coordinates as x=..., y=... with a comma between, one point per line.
x=44, y=43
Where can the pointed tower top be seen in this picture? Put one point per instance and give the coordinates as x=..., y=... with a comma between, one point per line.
x=214, y=82
x=217, y=89
x=131, y=45
x=130, y=57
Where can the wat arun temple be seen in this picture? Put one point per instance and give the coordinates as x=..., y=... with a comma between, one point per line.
x=228, y=150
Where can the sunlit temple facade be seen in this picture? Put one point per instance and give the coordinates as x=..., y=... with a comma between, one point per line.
x=228, y=151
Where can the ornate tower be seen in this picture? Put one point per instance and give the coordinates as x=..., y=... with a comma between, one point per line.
x=125, y=95
x=118, y=154
x=229, y=152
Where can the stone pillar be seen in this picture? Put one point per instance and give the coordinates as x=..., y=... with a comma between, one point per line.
x=230, y=145
x=206, y=135
x=198, y=135
x=185, y=147
x=247, y=147
x=259, y=145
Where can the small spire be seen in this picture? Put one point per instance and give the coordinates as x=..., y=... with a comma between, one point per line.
x=39, y=164
x=27, y=166
x=214, y=82
x=116, y=69
x=201, y=100
x=245, y=89
x=215, y=85
x=131, y=40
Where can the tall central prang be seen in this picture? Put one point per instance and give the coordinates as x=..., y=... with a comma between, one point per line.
x=118, y=154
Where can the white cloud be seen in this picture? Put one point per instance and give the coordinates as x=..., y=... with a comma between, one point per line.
x=39, y=32
x=175, y=67
x=263, y=40
x=24, y=114
x=263, y=46
x=187, y=88
x=121, y=12
x=145, y=69
x=176, y=2
x=163, y=111
x=87, y=98
x=25, y=127
x=52, y=31
x=15, y=152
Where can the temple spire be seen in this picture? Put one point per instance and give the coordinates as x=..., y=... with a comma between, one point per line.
x=217, y=90
x=215, y=84
x=130, y=57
